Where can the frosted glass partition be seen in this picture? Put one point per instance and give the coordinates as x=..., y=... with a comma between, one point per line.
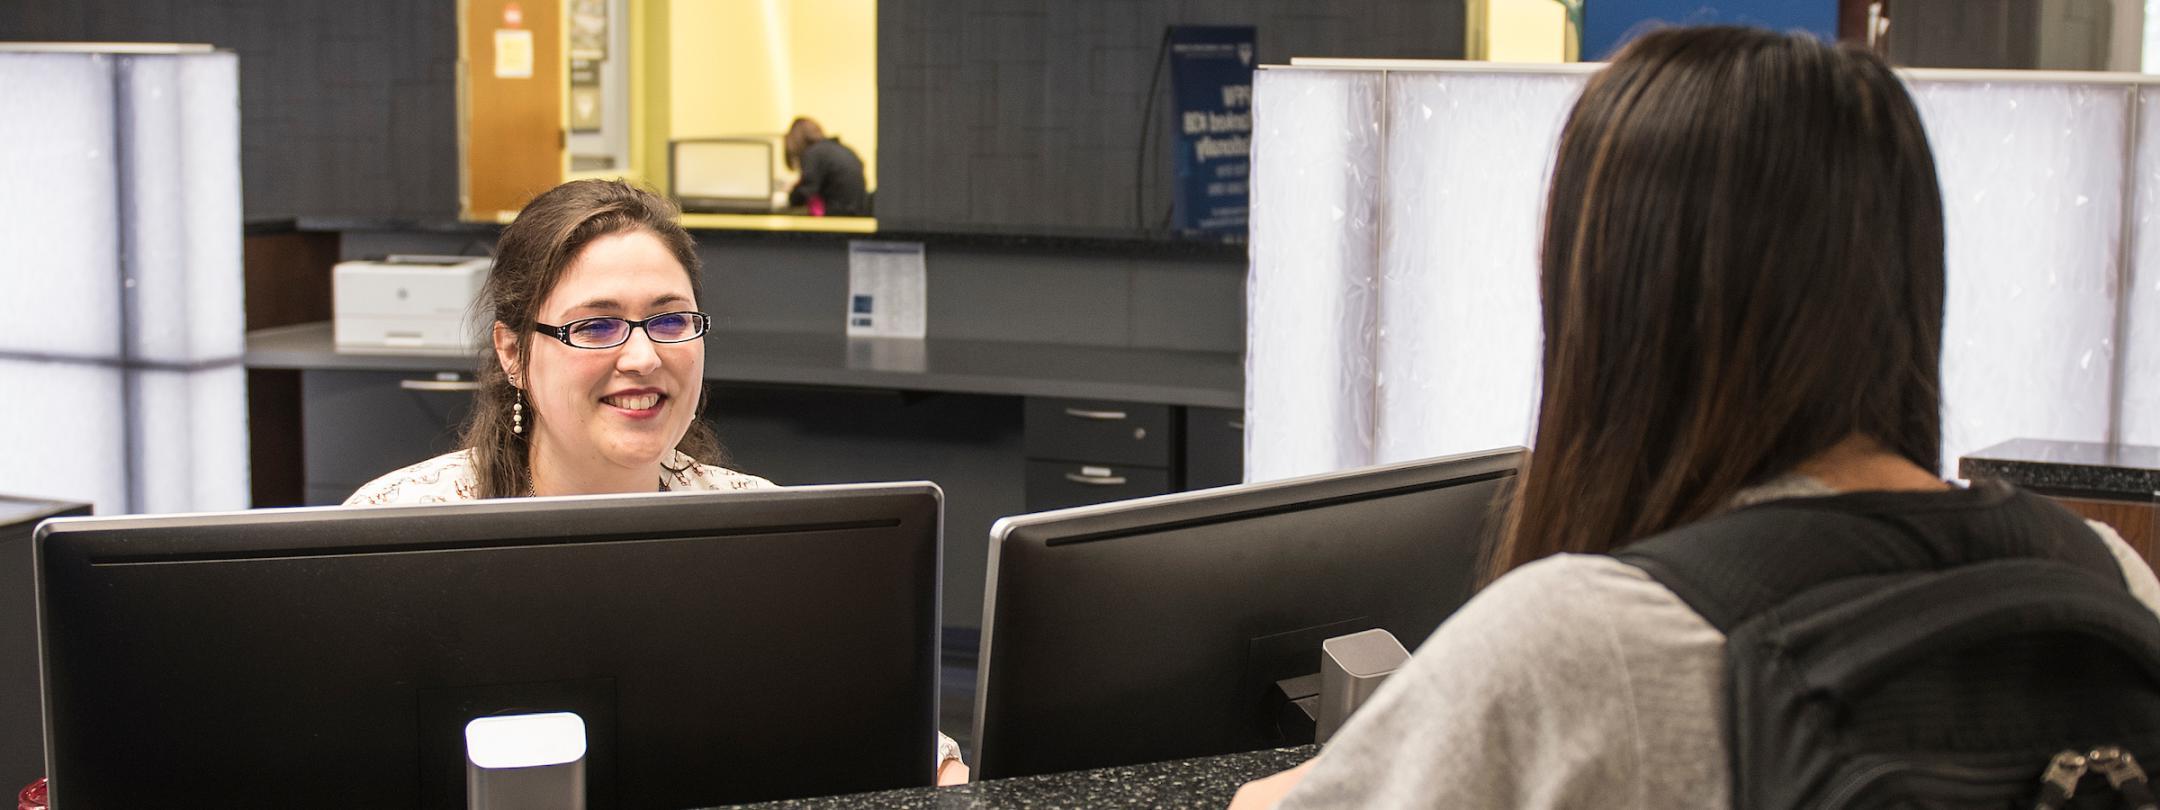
x=1315, y=214
x=2052, y=328
x=2032, y=183
x=1459, y=259
x=2139, y=372
x=120, y=248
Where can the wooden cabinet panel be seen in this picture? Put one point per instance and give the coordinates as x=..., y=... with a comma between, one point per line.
x=513, y=139
x=2133, y=520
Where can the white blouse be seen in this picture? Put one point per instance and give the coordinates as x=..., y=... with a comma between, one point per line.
x=450, y=477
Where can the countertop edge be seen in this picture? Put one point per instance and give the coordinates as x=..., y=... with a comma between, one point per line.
x=288, y=358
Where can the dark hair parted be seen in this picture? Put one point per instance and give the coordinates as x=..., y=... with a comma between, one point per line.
x=1742, y=266
x=802, y=133
x=530, y=257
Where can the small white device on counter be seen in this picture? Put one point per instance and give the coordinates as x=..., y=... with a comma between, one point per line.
x=407, y=304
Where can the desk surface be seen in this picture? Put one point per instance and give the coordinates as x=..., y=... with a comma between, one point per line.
x=1206, y=379
x=1203, y=782
x=2122, y=470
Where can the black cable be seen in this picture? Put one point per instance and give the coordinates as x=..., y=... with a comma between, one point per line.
x=1147, y=120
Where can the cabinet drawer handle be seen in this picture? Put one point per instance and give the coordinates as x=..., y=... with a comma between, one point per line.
x=1236, y=424
x=1104, y=416
x=439, y=385
x=1095, y=480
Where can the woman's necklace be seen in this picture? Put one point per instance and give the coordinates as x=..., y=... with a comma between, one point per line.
x=531, y=491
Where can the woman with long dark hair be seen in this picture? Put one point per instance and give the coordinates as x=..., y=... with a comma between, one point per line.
x=595, y=381
x=1742, y=289
x=595, y=377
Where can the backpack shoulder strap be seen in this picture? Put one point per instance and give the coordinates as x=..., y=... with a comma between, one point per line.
x=1733, y=566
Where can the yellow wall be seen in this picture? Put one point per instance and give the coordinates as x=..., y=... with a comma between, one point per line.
x=750, y=66
x=835, y=49
x=1518, y=31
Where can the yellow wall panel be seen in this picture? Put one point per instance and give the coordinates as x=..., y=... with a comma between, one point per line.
x=750, y=66
x=1518, y=31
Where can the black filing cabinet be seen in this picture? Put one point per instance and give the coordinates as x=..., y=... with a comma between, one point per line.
x=358, y=425
x=1214, y=447
x=1093, y=451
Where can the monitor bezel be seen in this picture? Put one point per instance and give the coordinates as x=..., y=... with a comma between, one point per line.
x=1102, y=522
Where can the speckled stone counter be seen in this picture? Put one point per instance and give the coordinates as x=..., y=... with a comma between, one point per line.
x=2084, y=469
x=1202, y=783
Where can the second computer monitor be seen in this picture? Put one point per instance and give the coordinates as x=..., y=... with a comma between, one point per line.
x=1157, y=628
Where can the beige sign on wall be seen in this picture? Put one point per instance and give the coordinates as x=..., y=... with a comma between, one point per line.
x=513, y=53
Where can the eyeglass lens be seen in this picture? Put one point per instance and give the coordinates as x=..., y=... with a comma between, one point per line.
x=600, y=333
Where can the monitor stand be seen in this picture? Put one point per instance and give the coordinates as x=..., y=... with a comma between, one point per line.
x=525, y=762
x=1277, y=667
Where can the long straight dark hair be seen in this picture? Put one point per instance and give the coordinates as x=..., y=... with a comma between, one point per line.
x=1742, y=267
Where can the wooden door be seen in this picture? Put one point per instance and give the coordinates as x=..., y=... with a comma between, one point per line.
x=512, y=128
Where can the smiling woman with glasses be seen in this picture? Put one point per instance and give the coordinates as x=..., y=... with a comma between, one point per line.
x=610, y=403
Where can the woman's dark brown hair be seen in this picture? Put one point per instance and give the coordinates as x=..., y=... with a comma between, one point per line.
x=1742, y=266
x=802, y=133
x=530, y=257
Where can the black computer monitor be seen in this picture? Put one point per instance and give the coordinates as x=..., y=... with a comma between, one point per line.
x=1156, y=628
x=721, y=647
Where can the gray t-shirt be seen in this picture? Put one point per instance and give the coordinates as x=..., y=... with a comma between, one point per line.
x=1574, y=681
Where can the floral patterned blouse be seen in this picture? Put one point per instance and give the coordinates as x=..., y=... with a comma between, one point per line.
x=449, y=478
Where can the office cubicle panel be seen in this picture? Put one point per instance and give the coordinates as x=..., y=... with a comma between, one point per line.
x=1315, y=217
x=120, y=232
x=2040, y=339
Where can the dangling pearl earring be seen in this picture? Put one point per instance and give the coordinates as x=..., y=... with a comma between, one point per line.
x=517, y=411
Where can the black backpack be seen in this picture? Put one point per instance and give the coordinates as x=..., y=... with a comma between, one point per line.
x=1974, y=648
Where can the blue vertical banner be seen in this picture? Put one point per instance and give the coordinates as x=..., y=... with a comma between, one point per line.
x=1211, y=70
x=1609, y=24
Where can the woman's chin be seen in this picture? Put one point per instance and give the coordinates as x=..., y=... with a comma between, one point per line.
x=639, y=455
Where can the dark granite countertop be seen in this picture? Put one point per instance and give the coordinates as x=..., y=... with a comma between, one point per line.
x=2070, y=468
x=1207, y=782
x=1159, y=376
x=1098, y=242
x=14, y=510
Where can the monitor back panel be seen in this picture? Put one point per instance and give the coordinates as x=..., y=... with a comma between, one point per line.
x=721, y=649
x=1156, y=633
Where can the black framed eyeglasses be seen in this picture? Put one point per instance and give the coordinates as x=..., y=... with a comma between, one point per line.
x=608, y=333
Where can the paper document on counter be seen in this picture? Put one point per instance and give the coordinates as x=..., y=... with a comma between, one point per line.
x=886, y=289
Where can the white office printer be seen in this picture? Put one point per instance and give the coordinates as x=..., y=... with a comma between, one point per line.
x=408, y=304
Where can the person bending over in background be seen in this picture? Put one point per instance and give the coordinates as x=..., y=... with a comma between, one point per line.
x=832, y=181
x=597, y=377
x=1742, y=289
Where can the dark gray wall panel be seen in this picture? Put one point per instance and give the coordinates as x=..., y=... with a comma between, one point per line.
x=1007, y=112
x=1180, y=306
x=345, y=108
x=969, y=445
x=1029, y=112
x=1025, y=295
x=780, y=286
